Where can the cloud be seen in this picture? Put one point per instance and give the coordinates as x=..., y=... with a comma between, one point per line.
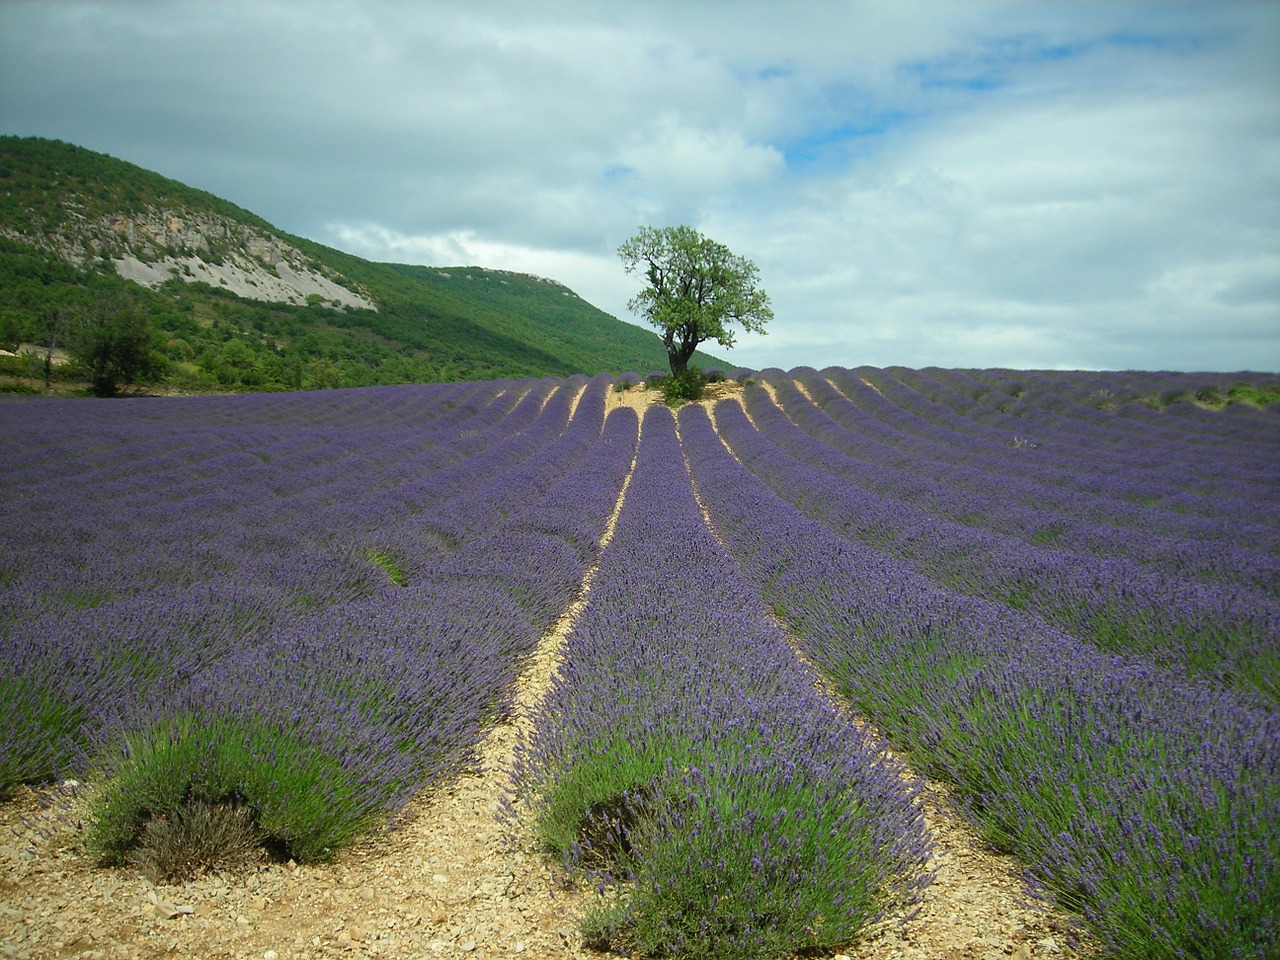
x=688, y=159
x=1046, y=228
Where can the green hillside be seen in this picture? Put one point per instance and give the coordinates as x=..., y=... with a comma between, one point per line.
x=71, y=220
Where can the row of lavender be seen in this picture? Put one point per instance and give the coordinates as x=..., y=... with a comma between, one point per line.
x=1098, y=409
x=243, y=600
x=1145, y=801
x=1211, y=627
x=1026, y=476
x=308, y=577
x=125, y=527
x=1079, y=411
x=685, y=753
x=1182, y=464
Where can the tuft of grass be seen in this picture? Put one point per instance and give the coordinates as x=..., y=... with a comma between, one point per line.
x=1254, y=395
x=302, y=800
x=1211, y=396
x=87, y=598
x=395, y=573
x=1103, y=399
x=1048, y=534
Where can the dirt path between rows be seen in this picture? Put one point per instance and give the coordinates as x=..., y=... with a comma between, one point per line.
x=447, y=882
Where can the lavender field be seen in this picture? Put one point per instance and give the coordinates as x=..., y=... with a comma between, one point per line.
x=1057, y=592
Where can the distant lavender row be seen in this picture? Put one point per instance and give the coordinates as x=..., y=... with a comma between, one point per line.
x=1032, y=454
x=1238, y=551
x=1146, y=802
x=683, y=746
x=1167, y=474
x=1089, y=416
x=1227, y=633
x=983, y=490
x=1099, y=406
x=1087, y=431
x=215, y=507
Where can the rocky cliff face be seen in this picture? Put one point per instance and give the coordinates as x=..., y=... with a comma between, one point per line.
x=157, y=245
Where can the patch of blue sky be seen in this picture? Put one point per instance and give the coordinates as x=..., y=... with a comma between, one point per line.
x=976, y=83
x=836, y=146
x=774, y=73
x=1180, y=43
x=991, y=65
x=988, y=67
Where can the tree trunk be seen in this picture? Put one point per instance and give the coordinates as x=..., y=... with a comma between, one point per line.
x=678, y=354
x=678, y=364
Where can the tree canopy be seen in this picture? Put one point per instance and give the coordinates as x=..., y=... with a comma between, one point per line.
x=117, y=344
x=697, y=290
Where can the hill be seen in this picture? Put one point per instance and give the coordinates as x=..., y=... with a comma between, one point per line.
x=241, y=305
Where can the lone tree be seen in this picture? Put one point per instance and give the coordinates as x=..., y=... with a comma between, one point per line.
x=697, y=288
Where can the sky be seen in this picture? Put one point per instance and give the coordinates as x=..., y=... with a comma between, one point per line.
x=1030, y=185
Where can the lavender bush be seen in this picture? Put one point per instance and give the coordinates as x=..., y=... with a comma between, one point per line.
x=685, y=755
x=1056, y=590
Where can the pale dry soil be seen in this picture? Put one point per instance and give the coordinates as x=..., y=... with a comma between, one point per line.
x=449, y=881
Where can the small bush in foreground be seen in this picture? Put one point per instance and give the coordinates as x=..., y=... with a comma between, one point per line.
x=719, y=871
x=300, y=798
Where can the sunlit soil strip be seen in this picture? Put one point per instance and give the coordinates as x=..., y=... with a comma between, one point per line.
x=804, y=392
x=577, y=398
x=978, y=902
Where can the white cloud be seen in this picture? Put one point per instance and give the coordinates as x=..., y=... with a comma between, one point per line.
x=680, y=157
